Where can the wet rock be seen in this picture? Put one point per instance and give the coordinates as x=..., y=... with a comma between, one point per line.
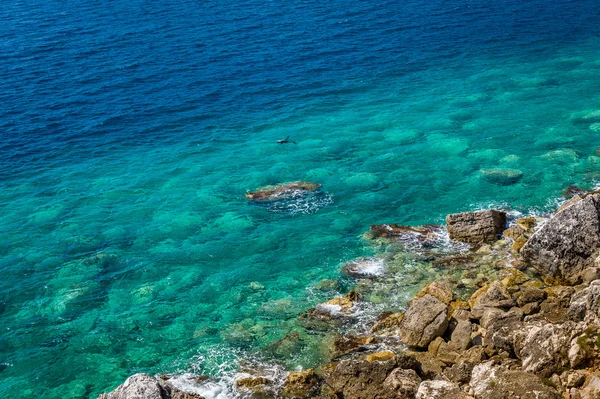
x=343, y=345
x=425, y=319
x=501, y=177
x=489, y=382
x=572, y=191
x=282, y=191
x=364, y=268
x=330, y=313
x=301, y=384
x=288, y=345
x=259, y=387
x=476, y=227
x=404, y=233
x=389, y=325
x=138, y=386
x=566, y=244
x=440, y=389
x=442, y=290
x=327, y=285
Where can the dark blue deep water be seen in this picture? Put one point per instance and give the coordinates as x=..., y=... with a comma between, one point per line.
x=130, y=131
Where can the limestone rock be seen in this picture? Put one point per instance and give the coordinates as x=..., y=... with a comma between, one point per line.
x=425, y=319
x=404, y=233
x=476, y=227
x=585, y=304
x=490, y=382
x=144, y=386
x=139, y=386
x=543, y=347
x=567, y=243
x=403, y=382
x=440, y=389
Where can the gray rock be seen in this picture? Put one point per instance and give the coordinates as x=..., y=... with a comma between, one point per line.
x=544, y=347
x=490, y=382
x=144, y=386
x=495, y=295
x=476, y=227
x=568, y=243
x=439, y=389
x=585, y=304
x=425, y=319
x=138, y=386
x=501, y=328
x=404, y=383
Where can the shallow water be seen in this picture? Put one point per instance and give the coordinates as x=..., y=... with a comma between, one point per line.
x=130, y=133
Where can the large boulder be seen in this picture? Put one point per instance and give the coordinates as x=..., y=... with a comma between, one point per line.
x=476, y=227
x=568, y=243
x=144, y=386
x=361, y=379
x=544, y=347
x=425, y=319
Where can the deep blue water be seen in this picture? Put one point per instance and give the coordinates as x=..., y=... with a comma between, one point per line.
x=130, y=131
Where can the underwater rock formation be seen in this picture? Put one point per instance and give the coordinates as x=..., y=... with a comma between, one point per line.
x=282, y=191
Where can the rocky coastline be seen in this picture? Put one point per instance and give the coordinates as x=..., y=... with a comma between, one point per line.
x=513, y=312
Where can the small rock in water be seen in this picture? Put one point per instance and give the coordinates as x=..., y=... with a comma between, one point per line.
x=476, y=227
x=282, y=191
x=501, y=177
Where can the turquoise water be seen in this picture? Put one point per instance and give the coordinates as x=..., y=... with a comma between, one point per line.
x=133, y=249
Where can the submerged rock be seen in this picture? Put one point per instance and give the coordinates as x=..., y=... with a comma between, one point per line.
x=476, y=227
x=282, y=191
x=501, y=177
x=568, y=243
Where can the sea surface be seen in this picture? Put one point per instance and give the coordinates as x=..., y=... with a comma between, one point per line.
x=131, y=130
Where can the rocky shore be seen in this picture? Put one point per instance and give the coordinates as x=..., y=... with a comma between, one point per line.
x=513, y=313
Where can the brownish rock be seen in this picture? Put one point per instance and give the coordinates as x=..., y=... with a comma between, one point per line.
x=388, y=325
x=402, y=233
x=282, y=191
x=476, y=227
x=301, y=384
x=345, y=344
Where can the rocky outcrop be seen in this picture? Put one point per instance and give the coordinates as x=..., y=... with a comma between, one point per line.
x=493, y=382
x=301, y=385
x=425, y=319
x=476, y=227
x=282, y=191
x=361, y=379
x=568, y=243
x=144, y=386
